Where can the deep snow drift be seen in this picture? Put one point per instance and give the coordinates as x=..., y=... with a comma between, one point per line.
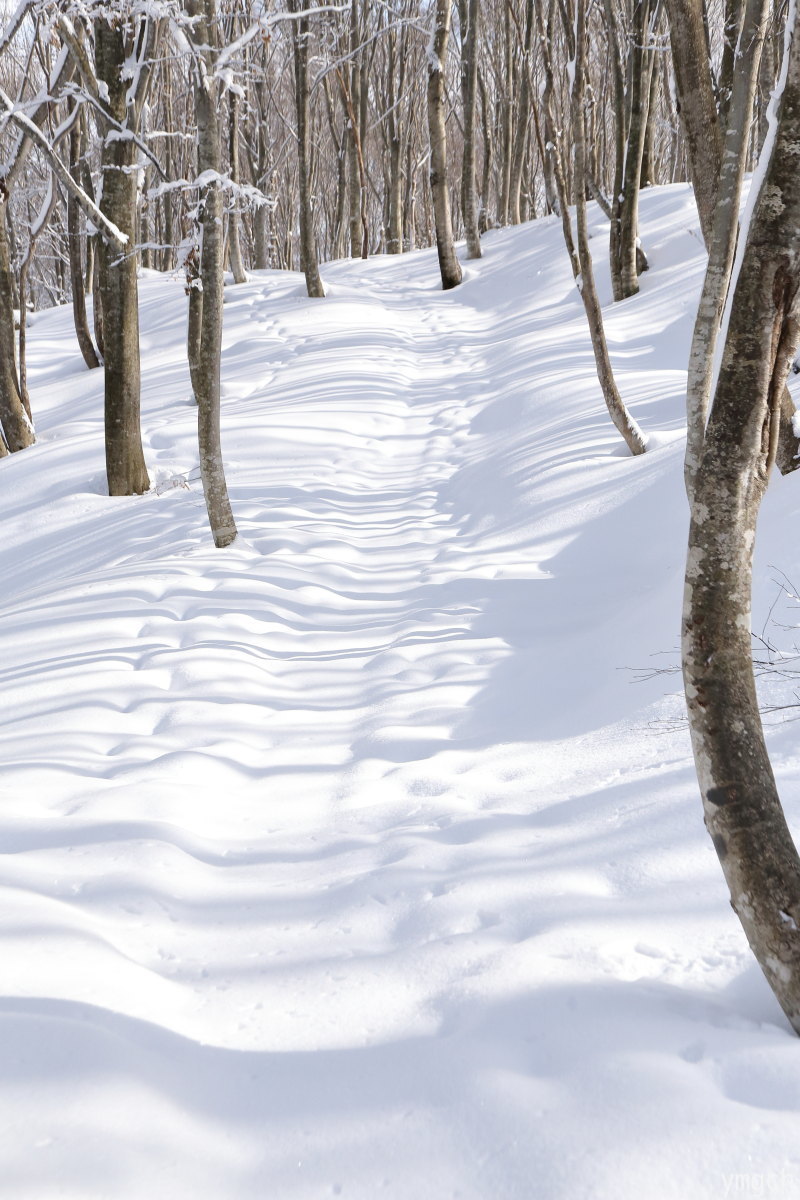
x=365, y=858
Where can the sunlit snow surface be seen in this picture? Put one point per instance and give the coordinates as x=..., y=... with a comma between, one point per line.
x=358, y=859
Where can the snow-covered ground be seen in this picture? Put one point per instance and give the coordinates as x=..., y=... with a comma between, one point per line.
x=365, y=858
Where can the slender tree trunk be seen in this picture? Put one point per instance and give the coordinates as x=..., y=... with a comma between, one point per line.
x=521, y=131
x=470, y=15
x=234, y=220
x=696, y=104
x=17, y=429
x=206, y=380
x=742, y=808
x=308, y=245
x=74, y=235
x=641, y=66
x=194, y=324
x=394, y=240
x=449, y=265
x=352, y=94
x=488, y=151
x=586, y=284
x=507, y=119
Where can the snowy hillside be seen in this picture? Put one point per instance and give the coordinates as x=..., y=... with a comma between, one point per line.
x=365, y=858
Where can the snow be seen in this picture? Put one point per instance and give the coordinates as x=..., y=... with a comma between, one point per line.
x=365, y=858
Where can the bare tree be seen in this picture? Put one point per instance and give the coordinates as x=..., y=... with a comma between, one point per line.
x=469, y=16
x=618, y=412
x=742, y=808
x=449, y=265
x=122, y=48
x=308, y=246
x=206, y=381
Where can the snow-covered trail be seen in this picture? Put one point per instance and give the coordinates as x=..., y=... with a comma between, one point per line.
x=350, y=861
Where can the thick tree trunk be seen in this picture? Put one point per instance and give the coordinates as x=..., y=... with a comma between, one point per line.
x=125, y=465
x=449, y=265
x=723, y=234
x=742, y=809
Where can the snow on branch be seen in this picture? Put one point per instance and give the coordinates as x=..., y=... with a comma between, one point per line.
x=238, y=191
x=61, y=172
x=265, y=22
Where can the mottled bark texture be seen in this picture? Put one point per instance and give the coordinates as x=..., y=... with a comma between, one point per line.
x=704, y=127
x=449, y=265
x=206, y=377
x=723, y=233
x=743, y=813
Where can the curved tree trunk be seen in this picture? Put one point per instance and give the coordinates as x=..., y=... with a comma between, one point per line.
x=449, y=265
x=743, y=813
x=619, y=414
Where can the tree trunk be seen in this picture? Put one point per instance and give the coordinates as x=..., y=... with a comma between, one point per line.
x=308, y=246
x=723, y=234
x=521, y=131
x=616, y=407
x=206, y=381
x=234, y=239
x=394, y=239
x=449, y=265
x=17, y=429
x=74, y=235
x=640, y=70
x=125, y=465
x=696, y=104
x=470, y=15
x=743, y=813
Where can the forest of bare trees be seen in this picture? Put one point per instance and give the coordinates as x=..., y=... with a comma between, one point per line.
x=239, y=135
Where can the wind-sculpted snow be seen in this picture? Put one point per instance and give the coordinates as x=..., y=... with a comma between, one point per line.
x=354, y=860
